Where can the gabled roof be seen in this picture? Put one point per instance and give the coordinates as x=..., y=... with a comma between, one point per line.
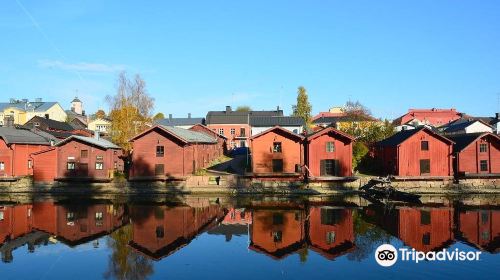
x=318, y=133
x=57, y=125
x=184, y=135
x=263, y=121
x=398, y=138
x=13, y=135
x=237, y=117
x=462, y=124
x=462, y=141
x=180, y=121
x=208, y=130
x=103, y=143
x=286, y=131
x=344, y=118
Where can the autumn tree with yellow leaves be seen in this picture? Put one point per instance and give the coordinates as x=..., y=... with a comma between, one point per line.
x=130, y=110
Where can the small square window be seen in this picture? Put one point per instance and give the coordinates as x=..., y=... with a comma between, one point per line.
x=330, y=237
x=71, y=166
x=160, y=151
x=99, y=165
x=277, y=147
x=1, y=216
x=233, y=131
x=483, y=148
x=483, y=164
x=99, y=158
x=424, y=145
x=30, y=164
x=2, y=165
x=221, y=131
x=84, y=153
x=330, y=147
x=160, y=232
x=277, y=236
x=425, y=217
x=98, y=216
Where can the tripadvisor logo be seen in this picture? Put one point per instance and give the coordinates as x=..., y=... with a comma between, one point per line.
x=386, y=255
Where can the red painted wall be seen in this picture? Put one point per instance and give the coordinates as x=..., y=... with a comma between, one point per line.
x=480, y=227
x=236, y=137
x=262, y=152
x=216, y=150
x=15, y=158
x=469, y=159
x=316, y=151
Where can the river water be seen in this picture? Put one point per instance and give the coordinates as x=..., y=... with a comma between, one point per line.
x=243, y=237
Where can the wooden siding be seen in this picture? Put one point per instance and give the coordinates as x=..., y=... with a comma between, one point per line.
x=316, y=151
x=469, y=159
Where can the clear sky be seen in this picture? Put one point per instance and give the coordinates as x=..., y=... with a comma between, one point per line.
x=202, y=55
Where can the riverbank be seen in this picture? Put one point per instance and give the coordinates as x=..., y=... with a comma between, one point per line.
x=233, y=184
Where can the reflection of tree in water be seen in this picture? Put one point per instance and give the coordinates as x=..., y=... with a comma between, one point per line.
x=124, y=262
x=368, y=238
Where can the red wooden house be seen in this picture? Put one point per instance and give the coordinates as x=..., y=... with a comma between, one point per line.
x=328, y=152
x=78, y=158
x=277, y=151
x=15, y=147
x=476, y=153
x=164, y=152
x=331, y=231
x=221, y=147
x=480, y=228
x=277, y=233
x=417, y=152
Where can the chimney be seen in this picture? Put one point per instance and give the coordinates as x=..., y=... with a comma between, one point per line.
x=170, y=116
x=228, y=109
x=97, y=135
x=189, y=115
x=497, y=116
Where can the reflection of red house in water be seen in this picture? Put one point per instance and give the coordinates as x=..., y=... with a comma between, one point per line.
x=15, y=221
x=480, y=228
x=331, y=231
x=160, y=231
x=277, y=233
x=237, y=216
x=426, y=229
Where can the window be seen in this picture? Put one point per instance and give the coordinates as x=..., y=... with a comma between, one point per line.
x=485, y=235
x=330, y=147
x=296, y=131
x=221, y=131
x=243, y=143
x=84, y=153
x=242, y=132
x=330, y=216
x=159, y=169
x=330, y=237
x=30, y=164
x=328, y=167
x=483, y=165
x=99, y=165
x=70, y=217
x=277, y=165
x=484, y=217
x=425, y=166
x=2, y=165
x=483, y=148
x=277, y=236
x=425, y=217
x=426, y=238
x=278, y=219
x=71, y=166
x=160, y=232
x=160, y=151
x=98, y=216
x=1, y=216
x=115, y=165
x=233, y=131
x=277, y=147
x=99, y=158
x=424, y=145
x=36, y=124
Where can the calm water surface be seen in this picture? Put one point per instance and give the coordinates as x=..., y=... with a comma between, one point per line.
x=241, y=238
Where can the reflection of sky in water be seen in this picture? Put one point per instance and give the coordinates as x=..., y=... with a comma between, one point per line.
x=206, y=251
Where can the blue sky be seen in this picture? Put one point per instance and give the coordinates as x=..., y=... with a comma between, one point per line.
x=202, y=55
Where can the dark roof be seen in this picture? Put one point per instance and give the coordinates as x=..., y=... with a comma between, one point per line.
x=180, y=121
x=49, y=123
x=35, y=106
x=464, y=140
x=185, y=135
x=99, y=142
x=275, y=120
x=349, y=118
x=76, y=100
x=460, y=124
x=280, y=129
x=13, y=135
x=403, y=135
x=236, y=117
x=313, y=134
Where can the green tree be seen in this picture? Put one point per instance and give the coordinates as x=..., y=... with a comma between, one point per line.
x=359, y=152
x=303, y=108
x=158, y=116
x=243, y=108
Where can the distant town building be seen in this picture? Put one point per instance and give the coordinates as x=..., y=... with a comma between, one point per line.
x=434, y=117
x=465, y=126
x=259, y=124
x=20, y=111
x=101, y=125
x=235, y=125
x=77, y=113
x=185, y=123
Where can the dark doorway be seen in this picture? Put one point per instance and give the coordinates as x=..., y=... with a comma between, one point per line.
x=329, y=167
x=277, y=165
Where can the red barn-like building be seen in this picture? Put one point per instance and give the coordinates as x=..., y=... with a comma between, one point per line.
x=480, y=228
x=163, y=152
x=277, y=151
x=77, y=157
x=417, y=152
x=477, y=153
x=221, y=147
x=328, y=152
x=15, y=147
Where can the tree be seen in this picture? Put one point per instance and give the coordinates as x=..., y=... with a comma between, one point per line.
x=243, y=108
x=100, y=114
x=130, y=109
x=158, y=116
x=356, y=108
x=303, y=108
